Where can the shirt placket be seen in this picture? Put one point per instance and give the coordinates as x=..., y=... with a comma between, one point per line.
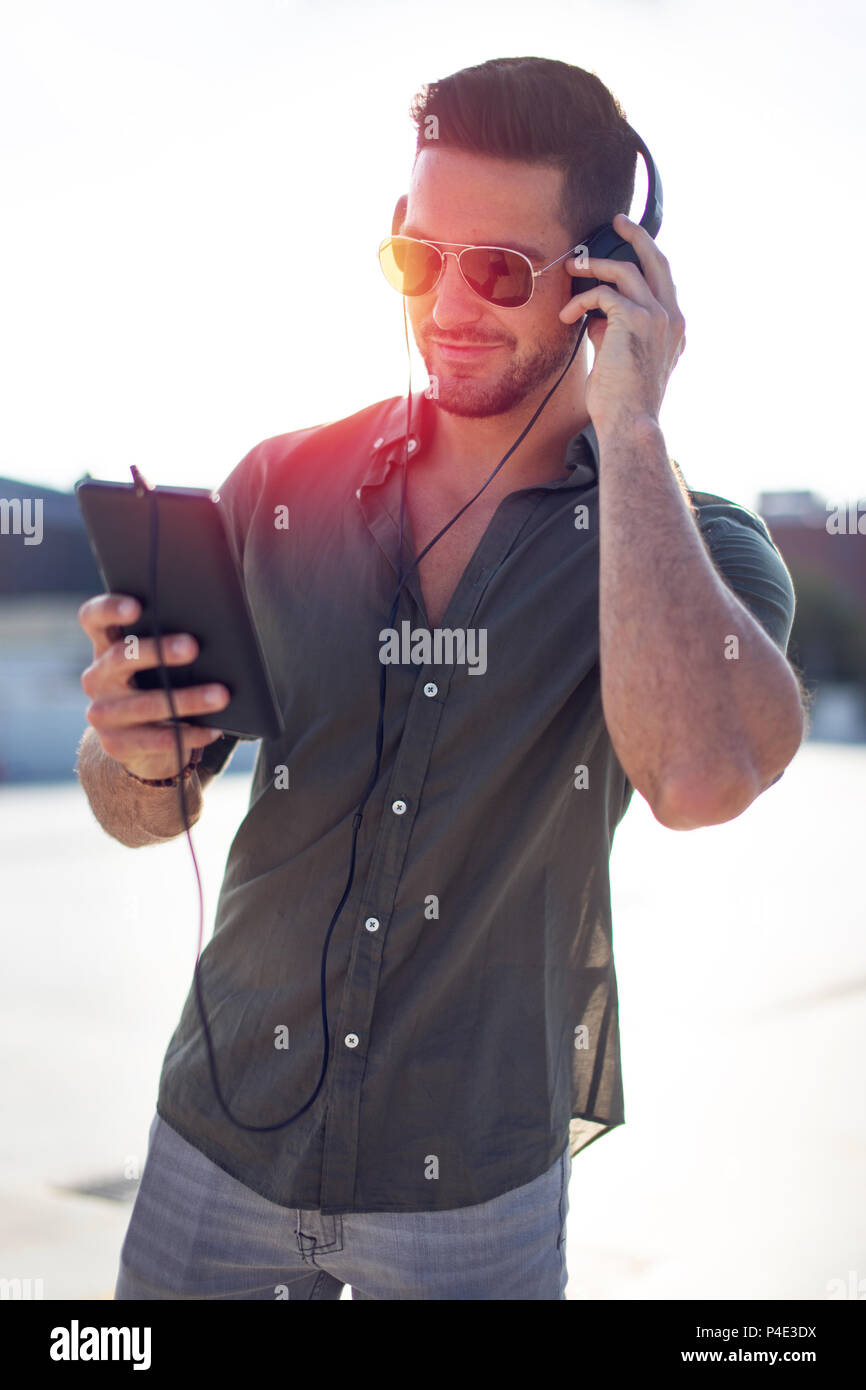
x=372, y=908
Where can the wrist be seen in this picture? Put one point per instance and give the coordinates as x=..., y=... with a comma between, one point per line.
x=168, y=782
x=628, y=427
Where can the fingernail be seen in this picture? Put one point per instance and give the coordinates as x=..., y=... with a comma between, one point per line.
x=128, y=608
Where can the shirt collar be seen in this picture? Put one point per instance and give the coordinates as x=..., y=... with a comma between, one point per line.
x=389, y=438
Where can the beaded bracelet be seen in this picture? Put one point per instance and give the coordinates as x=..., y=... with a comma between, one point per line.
x=184, y=774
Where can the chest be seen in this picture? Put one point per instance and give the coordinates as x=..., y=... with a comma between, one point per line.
x=441, y=569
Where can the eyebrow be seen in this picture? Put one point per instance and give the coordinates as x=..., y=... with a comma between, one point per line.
x=531, y=251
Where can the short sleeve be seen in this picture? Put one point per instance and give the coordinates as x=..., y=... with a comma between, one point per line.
x=743, y=552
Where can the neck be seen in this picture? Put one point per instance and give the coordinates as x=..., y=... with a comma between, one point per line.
x=463, y=452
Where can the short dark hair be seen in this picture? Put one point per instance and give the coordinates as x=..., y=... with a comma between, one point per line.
x=545, y=112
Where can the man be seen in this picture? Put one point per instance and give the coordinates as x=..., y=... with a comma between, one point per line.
x=615, y=631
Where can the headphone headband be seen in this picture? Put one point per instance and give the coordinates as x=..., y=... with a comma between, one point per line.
x=652, y=214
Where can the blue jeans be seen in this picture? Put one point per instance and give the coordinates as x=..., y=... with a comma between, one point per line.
x=196, y=1232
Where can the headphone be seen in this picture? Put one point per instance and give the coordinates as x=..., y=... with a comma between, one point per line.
x=606, y=244
x=603, y=243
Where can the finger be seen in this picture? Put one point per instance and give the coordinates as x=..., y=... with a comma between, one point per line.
x=600, y=297
x=151, y=706
x=655, y=266
x=623, y=275
x=178, y=649
x=99, y=615
x=129, y=746
x=112, y=672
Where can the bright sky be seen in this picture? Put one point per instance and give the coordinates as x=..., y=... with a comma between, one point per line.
x=194, y=190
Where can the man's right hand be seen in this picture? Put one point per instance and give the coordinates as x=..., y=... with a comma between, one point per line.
x=129, y=722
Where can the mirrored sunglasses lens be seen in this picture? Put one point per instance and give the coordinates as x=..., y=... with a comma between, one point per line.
x=499, y=276
x=409, y=266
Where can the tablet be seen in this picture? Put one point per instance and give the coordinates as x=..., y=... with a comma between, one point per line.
x=199, y=590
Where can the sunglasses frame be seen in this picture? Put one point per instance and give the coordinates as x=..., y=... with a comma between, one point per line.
x=464, y=246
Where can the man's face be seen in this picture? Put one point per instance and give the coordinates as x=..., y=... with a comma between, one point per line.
x=473, y=199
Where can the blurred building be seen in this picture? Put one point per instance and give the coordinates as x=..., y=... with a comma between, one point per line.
x=825, y=537
x=43, y=544
x=824, y=546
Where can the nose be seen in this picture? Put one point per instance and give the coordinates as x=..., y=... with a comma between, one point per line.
x=456, y=304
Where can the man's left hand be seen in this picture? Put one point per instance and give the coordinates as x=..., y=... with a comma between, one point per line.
x=638, y=345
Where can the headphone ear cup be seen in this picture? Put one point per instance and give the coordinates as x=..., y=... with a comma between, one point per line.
x=604, y=244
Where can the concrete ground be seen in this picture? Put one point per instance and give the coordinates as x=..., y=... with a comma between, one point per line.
x=741, y=957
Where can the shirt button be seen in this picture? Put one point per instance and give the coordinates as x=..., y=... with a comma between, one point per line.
x=398, y=807
x=431, y=689
x=377, y=443
x=372, y=924
x=351, y=1039
x=413, y=445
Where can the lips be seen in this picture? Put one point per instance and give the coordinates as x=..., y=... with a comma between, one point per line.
x=458, y=352
x=442, y=343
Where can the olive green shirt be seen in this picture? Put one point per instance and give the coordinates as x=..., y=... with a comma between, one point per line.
x=471, y=990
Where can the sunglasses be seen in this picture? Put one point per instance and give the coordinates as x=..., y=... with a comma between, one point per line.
x=501, y=277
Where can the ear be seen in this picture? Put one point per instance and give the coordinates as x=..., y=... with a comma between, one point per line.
x=399, y=214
